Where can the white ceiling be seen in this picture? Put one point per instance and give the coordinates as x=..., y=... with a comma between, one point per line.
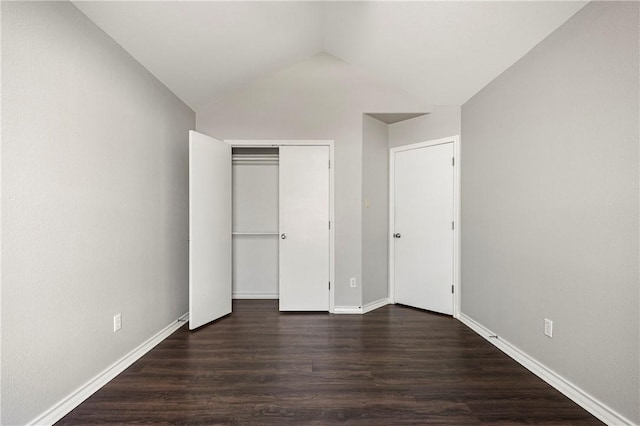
x=442, y=52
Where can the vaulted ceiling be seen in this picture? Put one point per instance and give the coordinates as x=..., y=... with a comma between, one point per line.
x=442, y=52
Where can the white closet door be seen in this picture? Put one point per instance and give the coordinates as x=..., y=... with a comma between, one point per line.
x=209, y=229
x=423, y=216
x=304, y=228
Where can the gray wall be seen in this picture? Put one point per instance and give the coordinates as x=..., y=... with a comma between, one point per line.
x=94, y=208
x=443, y=121
x=375, y=210
x=550, y=203
x=321, y=98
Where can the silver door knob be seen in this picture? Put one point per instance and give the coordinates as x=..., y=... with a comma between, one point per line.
x=396, y=235
x=283, y=236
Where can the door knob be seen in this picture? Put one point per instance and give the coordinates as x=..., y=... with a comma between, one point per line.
x=396, y=235
x=283, y=236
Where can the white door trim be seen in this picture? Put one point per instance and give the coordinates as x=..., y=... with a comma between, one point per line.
x=456, y=214
x=260, y=143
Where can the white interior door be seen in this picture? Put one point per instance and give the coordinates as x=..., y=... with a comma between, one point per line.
x=209, y=229
x=423, y=228
x=304, y=228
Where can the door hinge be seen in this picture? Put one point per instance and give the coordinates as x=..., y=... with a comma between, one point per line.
x=451, y=288
x=453, y=161
x=329, y=285
x=329, y=224
x=329, y=163
x=453, y=225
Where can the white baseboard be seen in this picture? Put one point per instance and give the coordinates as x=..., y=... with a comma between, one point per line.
x=600, y=410
x=255, y=296
x=71, y=401
x=375, y=305
x=361, y=309
x=347, y=310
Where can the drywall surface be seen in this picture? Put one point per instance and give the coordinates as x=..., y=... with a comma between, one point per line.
x=442, y=122
x=321, y=98
x=94, y=211
x=375, y=210
x=0, y=222
x=550, y=204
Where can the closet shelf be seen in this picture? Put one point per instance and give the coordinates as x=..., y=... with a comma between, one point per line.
x=255, y=233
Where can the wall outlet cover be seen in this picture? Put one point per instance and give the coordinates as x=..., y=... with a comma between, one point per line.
x=548, y=327
x=117, y=322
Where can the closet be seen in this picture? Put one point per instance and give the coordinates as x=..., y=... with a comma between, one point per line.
x=255, y=235
x=259, y=225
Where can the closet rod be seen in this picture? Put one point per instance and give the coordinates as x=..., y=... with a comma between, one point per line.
x=255, y=158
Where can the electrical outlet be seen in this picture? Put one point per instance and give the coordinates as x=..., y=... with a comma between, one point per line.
x=352, y=282
x=117, y=322
x=548, y=327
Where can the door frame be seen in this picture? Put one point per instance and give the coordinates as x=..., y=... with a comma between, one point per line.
x=456, y=214
x=262, y=143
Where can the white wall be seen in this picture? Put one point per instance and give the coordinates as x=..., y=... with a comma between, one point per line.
x=321, y=98
x=1, y=221
x=375, y=210
x=443, y=121
x=94, y=208
x=550, y=181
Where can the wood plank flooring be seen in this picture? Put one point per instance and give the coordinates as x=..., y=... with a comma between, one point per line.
x=392, y=366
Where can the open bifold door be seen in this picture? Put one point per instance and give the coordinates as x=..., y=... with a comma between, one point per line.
x=209, y=229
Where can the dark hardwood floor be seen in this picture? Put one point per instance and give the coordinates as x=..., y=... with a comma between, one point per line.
x=392, y=366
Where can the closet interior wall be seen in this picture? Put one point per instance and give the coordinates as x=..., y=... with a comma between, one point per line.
x=255, y=223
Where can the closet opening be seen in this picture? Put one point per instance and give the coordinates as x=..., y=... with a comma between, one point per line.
x=255, y=230
x=282, y=210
